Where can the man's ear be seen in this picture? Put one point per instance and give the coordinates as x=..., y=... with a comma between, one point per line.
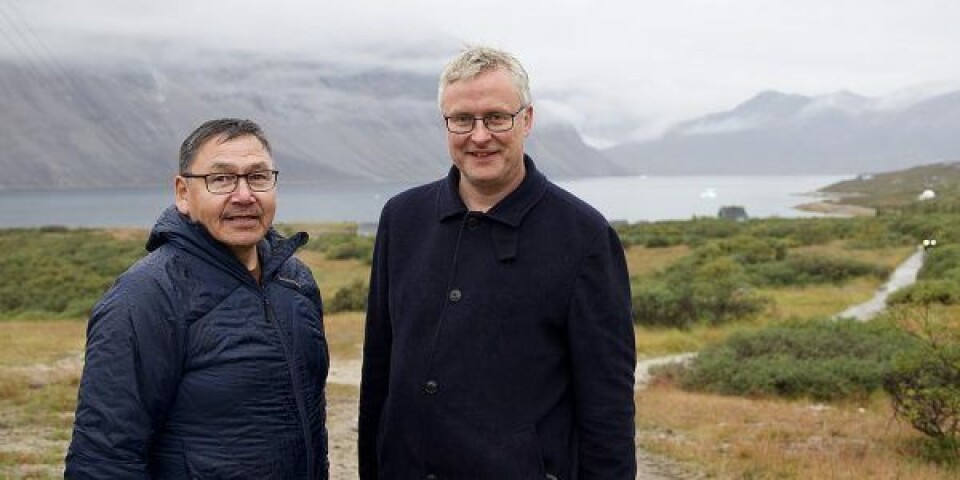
x=528, y=125
x=180, y=191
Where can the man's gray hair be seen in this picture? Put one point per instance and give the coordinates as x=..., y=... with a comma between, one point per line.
x=226, y=129
x=476, y=60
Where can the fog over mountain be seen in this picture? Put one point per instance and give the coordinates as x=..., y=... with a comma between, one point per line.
x=779, y=133
x=119, y=119
x=103, y=117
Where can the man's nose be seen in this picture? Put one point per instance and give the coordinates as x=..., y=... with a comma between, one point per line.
x=242, y=193
x=480, y=133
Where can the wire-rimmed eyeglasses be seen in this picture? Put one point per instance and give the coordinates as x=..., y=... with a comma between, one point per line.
x=224, y=183
x=497, y=122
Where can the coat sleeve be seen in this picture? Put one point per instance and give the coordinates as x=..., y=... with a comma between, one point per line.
x=603, y=358
x=130, y=374
x=376, y=358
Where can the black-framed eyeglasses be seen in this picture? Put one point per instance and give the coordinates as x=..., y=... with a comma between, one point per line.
x=224, y=183
x=497, y=122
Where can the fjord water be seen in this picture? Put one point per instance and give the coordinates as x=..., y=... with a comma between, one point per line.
x=618, y=198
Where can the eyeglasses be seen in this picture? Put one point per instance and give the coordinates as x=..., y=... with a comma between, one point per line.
x=496, y=122
x=224, y=183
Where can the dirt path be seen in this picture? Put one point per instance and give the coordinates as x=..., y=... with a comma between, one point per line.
x=903, y=275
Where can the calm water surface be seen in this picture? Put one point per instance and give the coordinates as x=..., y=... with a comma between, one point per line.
x=618, y=198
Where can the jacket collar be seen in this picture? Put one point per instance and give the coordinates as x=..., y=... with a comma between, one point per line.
x=509, y=211
x=176, y=228
x=507, y=215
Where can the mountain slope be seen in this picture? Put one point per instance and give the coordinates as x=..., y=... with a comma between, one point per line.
x=120, y=122
x=776, y=133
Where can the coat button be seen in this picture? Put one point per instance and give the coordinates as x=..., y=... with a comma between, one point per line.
x=430, y=387
x=455, y=295
x=473, y=223
x=430, y=476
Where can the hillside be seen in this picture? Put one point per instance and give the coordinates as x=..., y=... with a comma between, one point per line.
x=119, y=120
x=779, y=133
x=900, y=188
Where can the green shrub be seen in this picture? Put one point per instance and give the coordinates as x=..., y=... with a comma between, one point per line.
x=942, y=262
x=341, y=246
x=714, y=291
x=822, y=360
x=655, y=304
x=745, y=250
x=924, y=384
x=358, y=248
x=60, y=272
x=813, y=269
x=924, y=387
x=351, y=298
x=926, y=292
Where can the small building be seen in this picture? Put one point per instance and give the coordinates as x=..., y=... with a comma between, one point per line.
x=927, y=195
x=733, y=212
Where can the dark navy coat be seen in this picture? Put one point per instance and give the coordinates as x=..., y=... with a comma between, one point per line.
x=194, y=370
x=498, y=345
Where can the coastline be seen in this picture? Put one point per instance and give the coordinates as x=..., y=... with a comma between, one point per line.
x=837, y=209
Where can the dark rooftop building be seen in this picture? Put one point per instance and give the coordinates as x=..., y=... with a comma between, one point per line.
x=733, y=212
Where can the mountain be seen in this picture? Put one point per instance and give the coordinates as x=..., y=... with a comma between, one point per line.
x=778, y=133
x=119, y=121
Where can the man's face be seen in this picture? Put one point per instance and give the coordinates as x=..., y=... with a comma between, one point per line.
x=239, y=219
x=489, y=162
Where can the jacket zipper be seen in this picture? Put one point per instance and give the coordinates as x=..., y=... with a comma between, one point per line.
x=301, y=407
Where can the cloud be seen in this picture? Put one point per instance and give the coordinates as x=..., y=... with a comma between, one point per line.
x=621, y=69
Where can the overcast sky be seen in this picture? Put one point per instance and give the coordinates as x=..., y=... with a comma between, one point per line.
x=615, y=68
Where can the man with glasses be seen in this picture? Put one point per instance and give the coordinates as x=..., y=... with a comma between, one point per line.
x=207, y=358
x=499, y=341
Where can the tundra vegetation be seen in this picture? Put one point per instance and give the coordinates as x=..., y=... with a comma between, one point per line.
x=779, y=388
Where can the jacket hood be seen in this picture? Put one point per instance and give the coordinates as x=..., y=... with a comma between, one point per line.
x=176, y=228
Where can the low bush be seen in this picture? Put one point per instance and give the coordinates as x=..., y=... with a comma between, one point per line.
x=942, y=262
x=340, y=246
x=60, y=272
x=351, y=298
x=926, y=292
x=690, y=292
x=813, y=269
x=924, y=386
x=821, y=360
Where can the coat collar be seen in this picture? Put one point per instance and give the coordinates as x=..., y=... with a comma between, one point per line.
x=507, y=215
x=176, y=228
x=509, y=211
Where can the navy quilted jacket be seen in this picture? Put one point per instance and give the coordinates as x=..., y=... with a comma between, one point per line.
x=194, y=370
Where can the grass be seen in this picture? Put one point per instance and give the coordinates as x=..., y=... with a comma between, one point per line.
x=332, y=275
x=344, y=334
x=725, y=437
x=733, y=437
x=642, y=260
x=32, y=342
x=39, y=374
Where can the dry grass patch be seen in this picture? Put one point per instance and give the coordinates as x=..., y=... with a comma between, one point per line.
x=32, y=342
x=39, y=372
x=731, y=437
x=345, y=334
x=124, y=234
x=819, y=300
x=332, y=275
x=888, y=257
x=653, y=342
x=642, y=260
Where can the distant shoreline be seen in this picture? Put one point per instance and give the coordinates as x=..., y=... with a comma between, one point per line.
x=837, y=209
